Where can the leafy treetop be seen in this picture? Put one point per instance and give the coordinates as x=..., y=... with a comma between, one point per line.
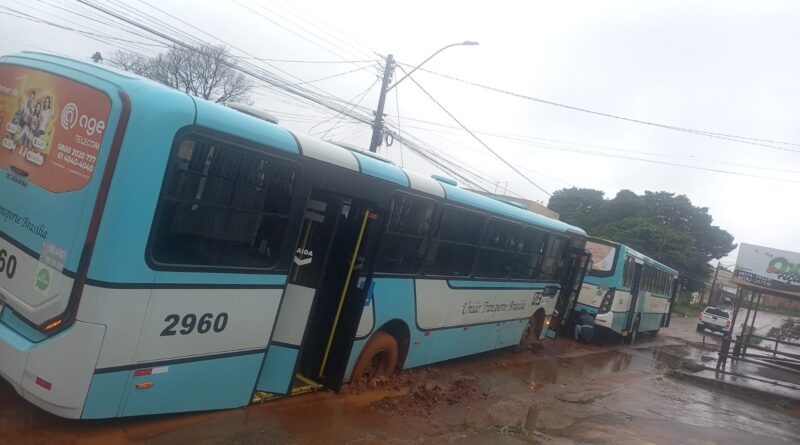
x=661, y=225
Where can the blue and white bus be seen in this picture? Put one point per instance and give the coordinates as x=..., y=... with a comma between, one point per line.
x=626, y=291
x=160, y=253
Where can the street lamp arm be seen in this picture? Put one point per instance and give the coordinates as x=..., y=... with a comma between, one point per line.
x=467, y=42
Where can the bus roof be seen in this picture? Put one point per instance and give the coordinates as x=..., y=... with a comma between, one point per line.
x=228, y=120
x=634, y=253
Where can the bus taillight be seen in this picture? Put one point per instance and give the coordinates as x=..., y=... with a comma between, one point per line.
x=44, y=383
x=608, y=300
x=52, y=325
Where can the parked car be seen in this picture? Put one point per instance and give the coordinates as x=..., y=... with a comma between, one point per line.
x=713, y=318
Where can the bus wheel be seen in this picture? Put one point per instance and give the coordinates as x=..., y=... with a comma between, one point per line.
x=378, y=358
x=534, y=329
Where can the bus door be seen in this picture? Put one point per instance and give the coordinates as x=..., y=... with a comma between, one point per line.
x=578, y=264
x=673, y=294
x=632, y=309
x=325, y=293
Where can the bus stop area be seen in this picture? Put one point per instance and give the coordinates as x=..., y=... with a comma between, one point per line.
x=549, y=392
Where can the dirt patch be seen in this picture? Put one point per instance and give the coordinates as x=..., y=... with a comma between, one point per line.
x=430, y=393
x=397, y=382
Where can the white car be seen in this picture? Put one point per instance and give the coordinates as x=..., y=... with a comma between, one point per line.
x=713, y=318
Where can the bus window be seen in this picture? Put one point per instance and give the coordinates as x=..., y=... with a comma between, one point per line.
x=456, y=243
x=627, y=272
x=527, y=262
x=405, y=241
x=222, y=206
x=497, y=253
x=604, y=258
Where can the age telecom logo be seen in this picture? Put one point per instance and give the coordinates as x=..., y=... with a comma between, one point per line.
x=69, y=116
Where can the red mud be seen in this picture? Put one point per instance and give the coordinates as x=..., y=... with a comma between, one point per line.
x=426, y=396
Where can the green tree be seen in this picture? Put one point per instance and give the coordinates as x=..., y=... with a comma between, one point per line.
x=661, y=225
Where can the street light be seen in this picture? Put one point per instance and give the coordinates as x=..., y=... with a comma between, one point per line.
x=464, y=43
x=377, y=125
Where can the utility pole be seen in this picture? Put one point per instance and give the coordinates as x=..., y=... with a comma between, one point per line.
x=377, y=125
x=388, y=70
x=713, y=284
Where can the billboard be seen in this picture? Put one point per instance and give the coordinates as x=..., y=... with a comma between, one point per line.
x=768, y=269
x=51, y=128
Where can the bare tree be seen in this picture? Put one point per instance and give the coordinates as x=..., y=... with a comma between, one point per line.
x=131, y=62
x=207, y=71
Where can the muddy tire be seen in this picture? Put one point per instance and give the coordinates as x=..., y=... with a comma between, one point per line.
x=534, y=329
x=378, y=358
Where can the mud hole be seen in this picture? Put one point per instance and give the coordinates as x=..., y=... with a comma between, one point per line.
x=397, y=382
x=430, y=393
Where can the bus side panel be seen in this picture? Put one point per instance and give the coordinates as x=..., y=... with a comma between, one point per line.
x=194, y=386
x=443, y=304
x=392, y=298
x=119, y=253
x=455, y=322
x=277, y=370
x=122, y=311
x=196, y=322
x=59, y=371
x=650, y=322
x=653, y=310
x=105, y=395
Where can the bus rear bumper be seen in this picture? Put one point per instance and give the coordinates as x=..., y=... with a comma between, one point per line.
x=54, y=374
x=604, y=320
x=14, y=350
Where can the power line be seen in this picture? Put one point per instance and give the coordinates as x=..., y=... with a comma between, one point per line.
x=326, y=41
x=397, y=105
x=534, y=141
x=289, y=30
x=326, y=77
x=24, y=16
x=254, y=72
x=190, y=37
x=725, y=136
x=82, y=11
x=321, y=25
x=33, y=46
x=475, y=136
x=355, y=104
x=321, y=62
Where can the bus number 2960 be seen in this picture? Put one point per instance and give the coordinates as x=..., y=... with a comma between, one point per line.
x=189, y=322
x=8, y=264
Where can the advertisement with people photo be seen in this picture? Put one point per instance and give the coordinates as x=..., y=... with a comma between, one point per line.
x=52, y=128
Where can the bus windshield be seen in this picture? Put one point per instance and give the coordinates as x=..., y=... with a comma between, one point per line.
x=603, y=257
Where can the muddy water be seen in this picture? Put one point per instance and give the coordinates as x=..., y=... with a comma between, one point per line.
x=585, y=394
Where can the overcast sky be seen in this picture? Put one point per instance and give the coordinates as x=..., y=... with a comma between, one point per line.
x=717, y=66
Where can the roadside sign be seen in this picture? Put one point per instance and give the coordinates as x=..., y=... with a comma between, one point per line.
x=768, y=269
